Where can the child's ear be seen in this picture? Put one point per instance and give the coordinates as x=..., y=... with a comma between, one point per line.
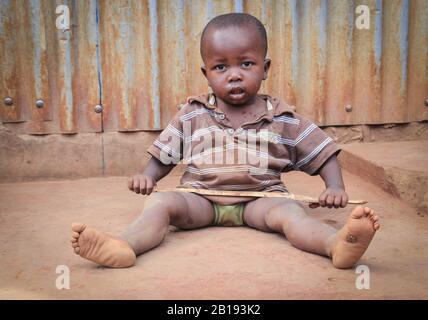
x=267, y=66
x=204, y=71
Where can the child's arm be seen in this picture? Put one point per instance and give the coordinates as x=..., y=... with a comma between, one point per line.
x=145, y=182
x=334, y=194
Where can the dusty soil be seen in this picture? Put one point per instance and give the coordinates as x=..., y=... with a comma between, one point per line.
x=398, y=167
x=210, y=263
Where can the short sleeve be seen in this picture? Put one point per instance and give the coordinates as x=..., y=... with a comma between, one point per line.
x=168, y=146
x=312, y=146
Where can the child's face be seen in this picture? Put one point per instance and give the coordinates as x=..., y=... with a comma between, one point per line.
x=235, y=64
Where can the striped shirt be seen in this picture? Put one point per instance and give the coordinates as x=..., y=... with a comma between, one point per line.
x=252, y=157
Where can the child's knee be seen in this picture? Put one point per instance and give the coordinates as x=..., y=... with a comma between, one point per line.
x=288, y=206
x=161, y=200
x=283, y=212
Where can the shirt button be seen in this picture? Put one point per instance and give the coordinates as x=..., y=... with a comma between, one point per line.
x=231, y=131
x=222, y=116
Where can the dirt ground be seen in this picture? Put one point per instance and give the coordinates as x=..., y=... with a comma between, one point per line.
x=210, y=263
x=398, y=167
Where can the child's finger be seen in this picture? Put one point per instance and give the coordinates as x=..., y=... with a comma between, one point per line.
x=136, y=186
x=142, y=186
x=329, y=201
x=322, y=199
x=131, y=184
x=149, y=187
x=344, y=201
x=337, y=201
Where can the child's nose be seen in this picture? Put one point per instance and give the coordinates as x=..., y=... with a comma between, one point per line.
x=234, y=75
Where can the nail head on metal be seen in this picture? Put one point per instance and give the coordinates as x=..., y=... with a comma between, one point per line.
x=98, y=108
x=348, y=108
x=426, y=102
x=40, y=103
x=8, y=101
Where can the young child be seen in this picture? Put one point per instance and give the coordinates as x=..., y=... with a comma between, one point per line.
x=233, y=49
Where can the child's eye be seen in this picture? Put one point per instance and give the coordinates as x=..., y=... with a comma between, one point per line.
x=220, y=67
x=247, y=64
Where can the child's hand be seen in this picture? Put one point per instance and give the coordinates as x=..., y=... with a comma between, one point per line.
x=333, y=197
x=140, y=183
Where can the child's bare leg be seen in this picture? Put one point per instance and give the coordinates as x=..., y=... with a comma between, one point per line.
x=183, y=210
x=186, y=211
x=345, y=246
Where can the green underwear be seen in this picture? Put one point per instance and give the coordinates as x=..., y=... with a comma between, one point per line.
x=229, y=216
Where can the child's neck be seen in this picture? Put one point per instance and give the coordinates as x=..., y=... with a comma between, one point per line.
x=239, y=115
x=253, y=104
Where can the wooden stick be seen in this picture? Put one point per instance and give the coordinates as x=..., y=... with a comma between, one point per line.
x=256, y=194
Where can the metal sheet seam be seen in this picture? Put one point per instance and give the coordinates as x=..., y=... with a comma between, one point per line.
x=210, y=10
x=322, y=38
x=404, y=32
x=239, y=6
x=350, y=30
x=98, y=58
x=378, y=35
x=264, y=17
x=154, y=63
x=323, y=16
x=294, y=41
x=181, y=52
x=100, y=79
x=128, y=69
x=68, y=76
x=4, y=8
x=35, y=31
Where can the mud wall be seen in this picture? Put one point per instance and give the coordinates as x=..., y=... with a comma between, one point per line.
x=59, y=156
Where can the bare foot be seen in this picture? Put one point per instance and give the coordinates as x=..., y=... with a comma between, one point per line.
x=101, y=248
x=350, y=242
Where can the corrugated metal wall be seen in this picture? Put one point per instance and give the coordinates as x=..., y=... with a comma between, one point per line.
x=139, y=59
x=40, y=62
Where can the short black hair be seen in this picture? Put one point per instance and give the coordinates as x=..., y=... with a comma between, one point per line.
x=236, y=20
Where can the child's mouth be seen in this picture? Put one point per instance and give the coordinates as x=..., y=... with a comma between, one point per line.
x=236, y=91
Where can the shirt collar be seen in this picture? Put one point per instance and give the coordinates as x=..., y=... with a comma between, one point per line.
x=278, y=106
x=203, y=99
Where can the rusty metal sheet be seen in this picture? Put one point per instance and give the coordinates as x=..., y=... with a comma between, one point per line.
x=394, y=60
x=148, y=61
x=366, y=67
x=17, y=68
x=417, y=81
x=43, y=63
x=145, y=80
x=337, y=74
x=180, y=28
x=339, y=67
x=173, y=31
x=75, y=70
x=84, y=56
x=9, y=111
x=129, y=65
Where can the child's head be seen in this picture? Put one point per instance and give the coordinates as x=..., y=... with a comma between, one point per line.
x=233, y=49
